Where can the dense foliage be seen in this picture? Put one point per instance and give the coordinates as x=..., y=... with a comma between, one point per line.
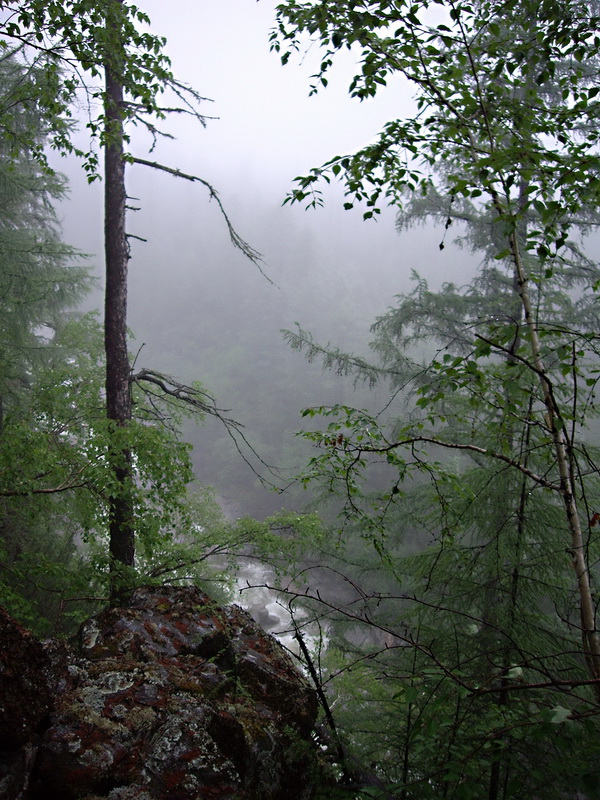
x=454, y=609
x=483, y=654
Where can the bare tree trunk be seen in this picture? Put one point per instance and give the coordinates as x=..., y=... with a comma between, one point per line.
x=118, y=389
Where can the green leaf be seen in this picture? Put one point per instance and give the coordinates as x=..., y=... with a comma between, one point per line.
x=560, y=715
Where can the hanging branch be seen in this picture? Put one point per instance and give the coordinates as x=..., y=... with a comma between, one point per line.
x=253, y=255
x=202, y=402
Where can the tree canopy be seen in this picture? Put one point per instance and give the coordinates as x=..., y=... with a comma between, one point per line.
x=481, y=513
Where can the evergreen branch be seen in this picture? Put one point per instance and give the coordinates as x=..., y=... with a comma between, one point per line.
x=539, y=479
x=334, y=359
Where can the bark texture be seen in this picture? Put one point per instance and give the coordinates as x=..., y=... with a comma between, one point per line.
x=118, y=387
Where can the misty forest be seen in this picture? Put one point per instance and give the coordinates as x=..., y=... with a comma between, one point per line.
x=357, y=400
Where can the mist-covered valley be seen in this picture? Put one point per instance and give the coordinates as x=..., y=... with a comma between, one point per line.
x=198, y=310
x=372, y=223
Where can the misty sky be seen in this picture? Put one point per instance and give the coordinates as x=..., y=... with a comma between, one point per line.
x=333, y=272
x=267, y=131
x=268, y=125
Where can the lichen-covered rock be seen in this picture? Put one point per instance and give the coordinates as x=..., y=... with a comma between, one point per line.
x=174, y=698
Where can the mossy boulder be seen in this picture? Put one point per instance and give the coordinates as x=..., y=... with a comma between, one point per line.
x=170, y=698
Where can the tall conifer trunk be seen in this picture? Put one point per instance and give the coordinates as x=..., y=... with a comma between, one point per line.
x=118, y=390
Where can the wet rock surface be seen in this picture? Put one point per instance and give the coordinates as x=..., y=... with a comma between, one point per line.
x=171, y=698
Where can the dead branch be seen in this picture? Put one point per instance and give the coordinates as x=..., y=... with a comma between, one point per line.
x=202, y=402
x=189, y=395
x=253, y=255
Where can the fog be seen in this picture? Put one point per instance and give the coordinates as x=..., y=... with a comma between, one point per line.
x=197, y=308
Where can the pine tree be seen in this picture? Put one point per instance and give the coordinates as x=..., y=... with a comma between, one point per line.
x=39, y=275
x=41, y=281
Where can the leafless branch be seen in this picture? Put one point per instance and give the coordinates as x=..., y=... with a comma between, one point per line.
x=253, y=255
x=538, y=479
x=204, y=403
x=67, y=485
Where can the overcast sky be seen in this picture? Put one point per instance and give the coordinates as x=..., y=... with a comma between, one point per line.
x=267, y=130
x=267, y=121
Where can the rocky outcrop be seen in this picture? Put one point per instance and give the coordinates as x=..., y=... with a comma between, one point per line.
x=171, y=698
